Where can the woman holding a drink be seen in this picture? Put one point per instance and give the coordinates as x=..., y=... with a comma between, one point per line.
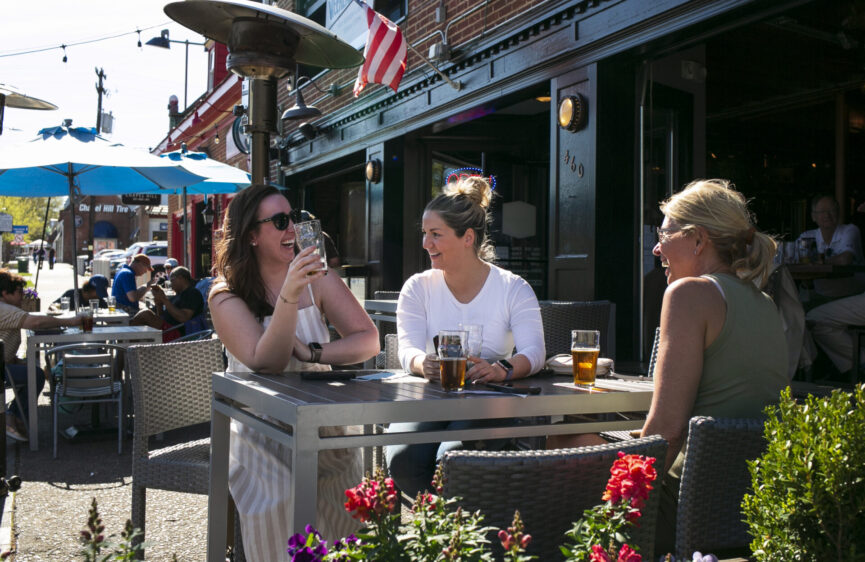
x=268, y=306
x=462, y=288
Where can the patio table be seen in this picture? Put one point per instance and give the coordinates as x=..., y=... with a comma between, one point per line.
x=291, y=410
x=43, y=339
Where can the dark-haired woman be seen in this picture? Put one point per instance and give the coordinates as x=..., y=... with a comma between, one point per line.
x=268, y=307
x=462, y=287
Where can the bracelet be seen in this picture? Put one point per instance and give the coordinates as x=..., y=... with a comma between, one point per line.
x=286, y=301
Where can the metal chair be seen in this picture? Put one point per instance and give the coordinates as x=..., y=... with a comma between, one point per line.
x=560, y=317
x=550, y=488
x=171, y=389
x=715, y=478
x=91, y=374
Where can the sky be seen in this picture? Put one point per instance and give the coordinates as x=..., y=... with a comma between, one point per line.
x=139, y=79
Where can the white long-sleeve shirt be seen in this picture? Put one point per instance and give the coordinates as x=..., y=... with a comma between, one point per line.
x=506, y=307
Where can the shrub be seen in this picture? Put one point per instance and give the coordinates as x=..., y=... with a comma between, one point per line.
x=808, y=500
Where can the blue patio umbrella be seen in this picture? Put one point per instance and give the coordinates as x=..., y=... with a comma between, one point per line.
x=72, y=161
x=219, y=178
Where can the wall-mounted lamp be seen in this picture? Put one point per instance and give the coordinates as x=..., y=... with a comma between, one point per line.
x=207, y=213
x=308, y=130
x=373, y=170
x=573, y=111
x=216, y=137
x=300, y=110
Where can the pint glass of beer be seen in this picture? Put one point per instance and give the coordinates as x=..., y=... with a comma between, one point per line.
x=585, y=348
x=452, y=358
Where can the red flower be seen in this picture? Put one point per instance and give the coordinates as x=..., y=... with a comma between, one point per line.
x=371, y=497
x=507, y=540
x=628, y=554
x=599, y=554
x=524, y=542
x=630, y=480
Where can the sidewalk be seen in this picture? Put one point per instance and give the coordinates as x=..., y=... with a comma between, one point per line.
x=42, y=521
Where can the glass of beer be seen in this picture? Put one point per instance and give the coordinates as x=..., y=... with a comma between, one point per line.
x=308, y=234
x=452, y=358
x=585, y=348
x=112, y=303
x=86, y=314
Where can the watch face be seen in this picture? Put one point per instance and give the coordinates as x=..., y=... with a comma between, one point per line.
x=315, y=345
x=506, y=364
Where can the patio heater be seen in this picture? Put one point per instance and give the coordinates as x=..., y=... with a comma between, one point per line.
x=264, y=43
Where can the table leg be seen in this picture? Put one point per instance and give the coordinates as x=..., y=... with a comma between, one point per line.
x=217, y=508
x=304, y=477
x=32, y=397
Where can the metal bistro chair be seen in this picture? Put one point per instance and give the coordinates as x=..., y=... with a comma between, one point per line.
x=560, y=317
x=91, y=374
x=171, y=389
x=389, y=357
x=715, y=478
x=550, y=488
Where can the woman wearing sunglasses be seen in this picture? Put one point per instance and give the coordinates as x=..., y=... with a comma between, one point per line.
x=268, y=306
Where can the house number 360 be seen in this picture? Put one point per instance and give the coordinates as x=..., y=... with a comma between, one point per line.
x=571, y=162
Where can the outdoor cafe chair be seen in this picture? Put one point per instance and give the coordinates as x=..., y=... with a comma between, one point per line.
x=715, y=478
x=171, y=389
x=560, y=317
x=91, y=373
x=550, y=488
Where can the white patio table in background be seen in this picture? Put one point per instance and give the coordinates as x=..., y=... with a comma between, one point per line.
x=291, y=410
x=38, y=340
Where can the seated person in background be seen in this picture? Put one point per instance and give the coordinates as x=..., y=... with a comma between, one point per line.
x=462, y=287
x=162, y=276
x=839, y=244
x=95, y=288
x=124, y=288
x=186, y=304
x=12, y=321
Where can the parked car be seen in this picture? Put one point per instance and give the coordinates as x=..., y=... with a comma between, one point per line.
x=156, y=251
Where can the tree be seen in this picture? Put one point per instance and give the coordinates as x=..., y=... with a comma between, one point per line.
x=29, y=211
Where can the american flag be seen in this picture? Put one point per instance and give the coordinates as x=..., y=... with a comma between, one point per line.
x=385, y=52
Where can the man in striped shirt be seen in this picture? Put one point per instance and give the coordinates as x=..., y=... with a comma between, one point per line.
x=12, y=321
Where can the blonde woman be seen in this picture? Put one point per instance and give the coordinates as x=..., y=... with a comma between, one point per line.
x=722, y=350
x=461, y=287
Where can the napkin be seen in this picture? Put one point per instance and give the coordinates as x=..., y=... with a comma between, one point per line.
x=562, y=364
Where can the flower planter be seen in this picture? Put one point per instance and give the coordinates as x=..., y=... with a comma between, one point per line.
x=30, y=304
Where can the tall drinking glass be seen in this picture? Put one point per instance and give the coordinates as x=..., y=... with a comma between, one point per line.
x=308, y=233
x=452, y=358
x=64, y=304
x=474, y=340
x=585, y=348
x=112, y=303
x=86, y=314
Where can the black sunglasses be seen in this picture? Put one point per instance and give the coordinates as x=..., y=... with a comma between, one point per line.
x=280, y=220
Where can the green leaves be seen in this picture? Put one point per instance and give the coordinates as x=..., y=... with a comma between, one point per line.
x=808, y=498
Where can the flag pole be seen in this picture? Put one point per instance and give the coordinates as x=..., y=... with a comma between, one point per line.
x=455, y=85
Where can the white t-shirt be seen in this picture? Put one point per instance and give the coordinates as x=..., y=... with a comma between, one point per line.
x=506, y=307
x=846, y=238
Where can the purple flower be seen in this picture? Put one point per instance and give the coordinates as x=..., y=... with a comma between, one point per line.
x=295, y=542
x=698, y=557
x=310, y=530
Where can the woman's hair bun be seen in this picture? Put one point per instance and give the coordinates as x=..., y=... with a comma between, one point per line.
x=475, y=188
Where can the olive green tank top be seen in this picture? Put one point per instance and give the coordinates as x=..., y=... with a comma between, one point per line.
x=745, y=368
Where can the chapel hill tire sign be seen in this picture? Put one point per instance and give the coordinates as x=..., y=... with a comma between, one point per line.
x=149, y=199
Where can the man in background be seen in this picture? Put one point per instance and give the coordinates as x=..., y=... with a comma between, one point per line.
x=125, y=289
x=186, y=304
x=839, y=244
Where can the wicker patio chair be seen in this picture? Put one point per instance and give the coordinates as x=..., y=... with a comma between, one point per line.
x=551, y=489
x=714, y=480
x=389, y=358
x=560, y=317
x=91, y=375
x=386, y=295
x=171, y=389
x=653, y=359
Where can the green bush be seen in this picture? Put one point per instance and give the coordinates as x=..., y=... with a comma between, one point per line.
x=808, y=499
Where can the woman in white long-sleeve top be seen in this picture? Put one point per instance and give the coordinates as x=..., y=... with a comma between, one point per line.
x=462, y=287
x=268, y=307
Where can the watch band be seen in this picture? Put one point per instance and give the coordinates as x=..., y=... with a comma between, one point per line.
x=315, y=349
x=509, y=369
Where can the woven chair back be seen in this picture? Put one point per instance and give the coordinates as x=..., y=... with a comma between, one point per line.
x=715, y=478
x=171, y=384
x=551, y=489
x=560, y=317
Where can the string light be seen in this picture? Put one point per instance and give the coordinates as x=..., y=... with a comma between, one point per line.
x=64, y=53
x=139, y=37
x=216, y=138
x=97, y=40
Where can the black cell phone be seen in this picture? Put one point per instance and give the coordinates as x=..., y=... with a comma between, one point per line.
x=327, y=375
x=511, y=389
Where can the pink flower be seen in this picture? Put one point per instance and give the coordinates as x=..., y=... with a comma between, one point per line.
x=599, y=554
x=371, y=497
x=628, y=554
x=507, y=540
